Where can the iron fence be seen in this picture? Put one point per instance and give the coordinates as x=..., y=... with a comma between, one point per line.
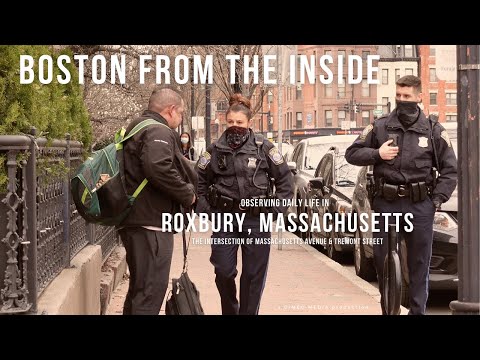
x=40, y=229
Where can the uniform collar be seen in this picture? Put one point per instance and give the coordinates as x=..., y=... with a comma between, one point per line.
x=249, y=144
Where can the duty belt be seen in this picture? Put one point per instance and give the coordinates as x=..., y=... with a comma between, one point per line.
x=414, y=191
x=227, y=204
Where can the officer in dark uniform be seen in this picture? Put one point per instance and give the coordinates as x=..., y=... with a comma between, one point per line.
x=400, y=148
x=240, y=165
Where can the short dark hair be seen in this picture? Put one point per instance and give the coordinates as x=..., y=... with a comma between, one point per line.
x=410, y=81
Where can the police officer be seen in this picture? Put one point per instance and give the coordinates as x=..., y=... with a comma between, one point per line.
x=239, y=166
x=400, y=148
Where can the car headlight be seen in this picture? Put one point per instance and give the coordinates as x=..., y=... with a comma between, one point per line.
x=443, y=221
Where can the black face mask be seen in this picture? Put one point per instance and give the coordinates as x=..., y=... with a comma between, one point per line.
x=407, y=112
x=236, y=136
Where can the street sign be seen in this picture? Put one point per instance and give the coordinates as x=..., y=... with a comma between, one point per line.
x=377, y=112
x=446, y=62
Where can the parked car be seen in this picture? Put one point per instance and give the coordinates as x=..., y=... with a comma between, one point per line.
x=335, y=183
x=286, y=151
x=305, y=158
x=443, y=265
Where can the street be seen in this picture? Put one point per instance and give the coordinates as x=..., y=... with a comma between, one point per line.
x=438, y=301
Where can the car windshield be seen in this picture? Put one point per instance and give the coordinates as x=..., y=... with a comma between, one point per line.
x=314, y=155
x=346, y=174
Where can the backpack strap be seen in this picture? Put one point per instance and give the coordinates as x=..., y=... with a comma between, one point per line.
x=192, y=153
x=120, y=137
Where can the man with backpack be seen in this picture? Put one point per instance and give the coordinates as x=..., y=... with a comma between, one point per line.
x=154, y=154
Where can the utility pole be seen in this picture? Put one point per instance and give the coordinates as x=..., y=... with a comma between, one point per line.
x=207, y=115
x=192, y=105
x=468, y=95
x=280, y=99
x=280, y=104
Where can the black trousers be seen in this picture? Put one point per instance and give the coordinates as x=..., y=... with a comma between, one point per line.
x=254, y=268
x=149, y=256
x=419, y=246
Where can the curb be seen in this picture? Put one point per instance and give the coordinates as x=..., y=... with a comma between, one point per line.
x=353, y=278
x=113, y=270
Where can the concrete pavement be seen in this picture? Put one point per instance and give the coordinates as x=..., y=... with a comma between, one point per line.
x=300, y=280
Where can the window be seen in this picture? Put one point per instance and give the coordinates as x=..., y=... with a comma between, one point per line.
x=298, y=155
x=341, y=89
x=397, y=74
x=433, y=75
x=451, y=118
x=328, y=118
x=222, y=105
x=451, y=98
x=365, y=118
x=432, y=50
x=408, y=51
x=365, y=88
x=328, y=52
x=329, y=90
x=299, y=124
x=433, y=98
x=341, y=116
x=298, y=92
x=365, y=54
x=384, y=76
x=343, y=53
x=408, y=71
x=385, y=105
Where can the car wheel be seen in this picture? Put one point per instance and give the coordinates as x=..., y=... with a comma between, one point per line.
x=333, y=253
x=364, y=266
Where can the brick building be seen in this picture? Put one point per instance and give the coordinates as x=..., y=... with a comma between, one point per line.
x=439, y=96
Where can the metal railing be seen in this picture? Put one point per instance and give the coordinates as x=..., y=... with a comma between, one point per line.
x=40, y=229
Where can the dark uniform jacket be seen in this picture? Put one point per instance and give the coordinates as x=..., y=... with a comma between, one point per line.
x=415, y=159
x=232, y=171
x=154, y=153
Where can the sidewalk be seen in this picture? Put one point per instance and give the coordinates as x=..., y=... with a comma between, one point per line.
x=300, y=280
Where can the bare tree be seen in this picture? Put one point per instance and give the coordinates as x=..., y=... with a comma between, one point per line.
x=112, y=106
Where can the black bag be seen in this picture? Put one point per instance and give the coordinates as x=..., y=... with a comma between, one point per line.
x=184, y=297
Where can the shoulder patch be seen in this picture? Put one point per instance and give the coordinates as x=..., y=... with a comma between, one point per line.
x=204, y=160
x=445, y=137
x=366, y=131
x=275, y=156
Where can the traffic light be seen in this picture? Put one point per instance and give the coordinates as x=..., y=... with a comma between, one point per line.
x=356, y=108
x=346, y=107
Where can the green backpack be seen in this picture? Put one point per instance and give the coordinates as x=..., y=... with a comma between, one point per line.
x=98, y=188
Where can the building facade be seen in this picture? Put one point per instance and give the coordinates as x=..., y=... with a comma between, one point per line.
x=439, y=96
x=395, y=61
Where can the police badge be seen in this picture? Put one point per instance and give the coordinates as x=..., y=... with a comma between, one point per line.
x=275, y=156
x=423, y=141
x=445, y=137
x=252, y=163
x=204, y=160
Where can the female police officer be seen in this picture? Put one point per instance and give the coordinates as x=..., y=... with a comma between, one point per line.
x=236, y=168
